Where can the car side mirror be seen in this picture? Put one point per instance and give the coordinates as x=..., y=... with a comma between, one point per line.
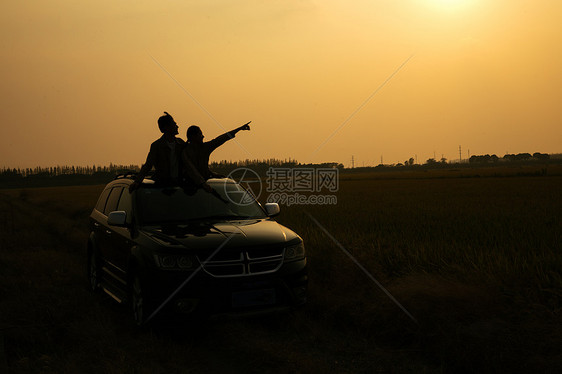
x=117, y=218
x=272, y=209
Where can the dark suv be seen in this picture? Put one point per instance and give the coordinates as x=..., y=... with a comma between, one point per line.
x=168, y=250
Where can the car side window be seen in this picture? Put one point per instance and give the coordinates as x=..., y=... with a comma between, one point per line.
x=125, y=204
x=113, y=200
x=100, y=205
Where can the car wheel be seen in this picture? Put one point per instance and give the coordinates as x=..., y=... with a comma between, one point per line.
x=93, y=271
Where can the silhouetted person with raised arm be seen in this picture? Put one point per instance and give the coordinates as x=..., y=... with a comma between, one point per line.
x=164, y=155
x=196, y=153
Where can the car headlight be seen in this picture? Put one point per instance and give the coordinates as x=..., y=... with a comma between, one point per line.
x=294, y=252
x=175, y=262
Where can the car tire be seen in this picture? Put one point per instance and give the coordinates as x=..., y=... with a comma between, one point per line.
x=93, y=271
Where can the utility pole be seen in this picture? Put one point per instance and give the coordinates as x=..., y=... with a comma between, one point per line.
x=381, y=160
x=352, y=162
x=460, y=154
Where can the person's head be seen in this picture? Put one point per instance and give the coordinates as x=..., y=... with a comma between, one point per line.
x=194, y=134
x=166, y=124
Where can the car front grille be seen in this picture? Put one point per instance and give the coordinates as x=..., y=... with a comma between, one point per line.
x=244, y=262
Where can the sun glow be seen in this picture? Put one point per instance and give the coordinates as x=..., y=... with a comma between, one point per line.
x=480, y=69
x=450, y=4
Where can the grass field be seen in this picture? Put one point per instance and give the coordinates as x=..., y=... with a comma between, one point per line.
x=476, y=261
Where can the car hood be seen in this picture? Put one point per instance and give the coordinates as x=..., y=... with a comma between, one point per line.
x=215, y=234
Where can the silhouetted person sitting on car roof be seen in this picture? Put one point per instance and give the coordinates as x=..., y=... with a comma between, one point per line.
x=164, y=155
x=196, y=153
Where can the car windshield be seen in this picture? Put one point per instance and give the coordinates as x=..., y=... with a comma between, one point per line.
x=174, y=204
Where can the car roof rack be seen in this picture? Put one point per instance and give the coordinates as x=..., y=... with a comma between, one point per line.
x=129, y=174
x=126, y=174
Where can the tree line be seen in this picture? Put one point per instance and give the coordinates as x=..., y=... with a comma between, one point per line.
x=262, y=166
x=487, y=159
x=97, y=174
x=61, y=175
x=54, y=171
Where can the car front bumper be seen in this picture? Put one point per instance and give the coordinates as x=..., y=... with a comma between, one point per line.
x=200, y=293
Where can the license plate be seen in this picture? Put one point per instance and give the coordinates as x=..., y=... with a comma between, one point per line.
x=253, y=298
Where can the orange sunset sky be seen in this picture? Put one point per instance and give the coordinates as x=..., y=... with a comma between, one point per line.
x=83, y=82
